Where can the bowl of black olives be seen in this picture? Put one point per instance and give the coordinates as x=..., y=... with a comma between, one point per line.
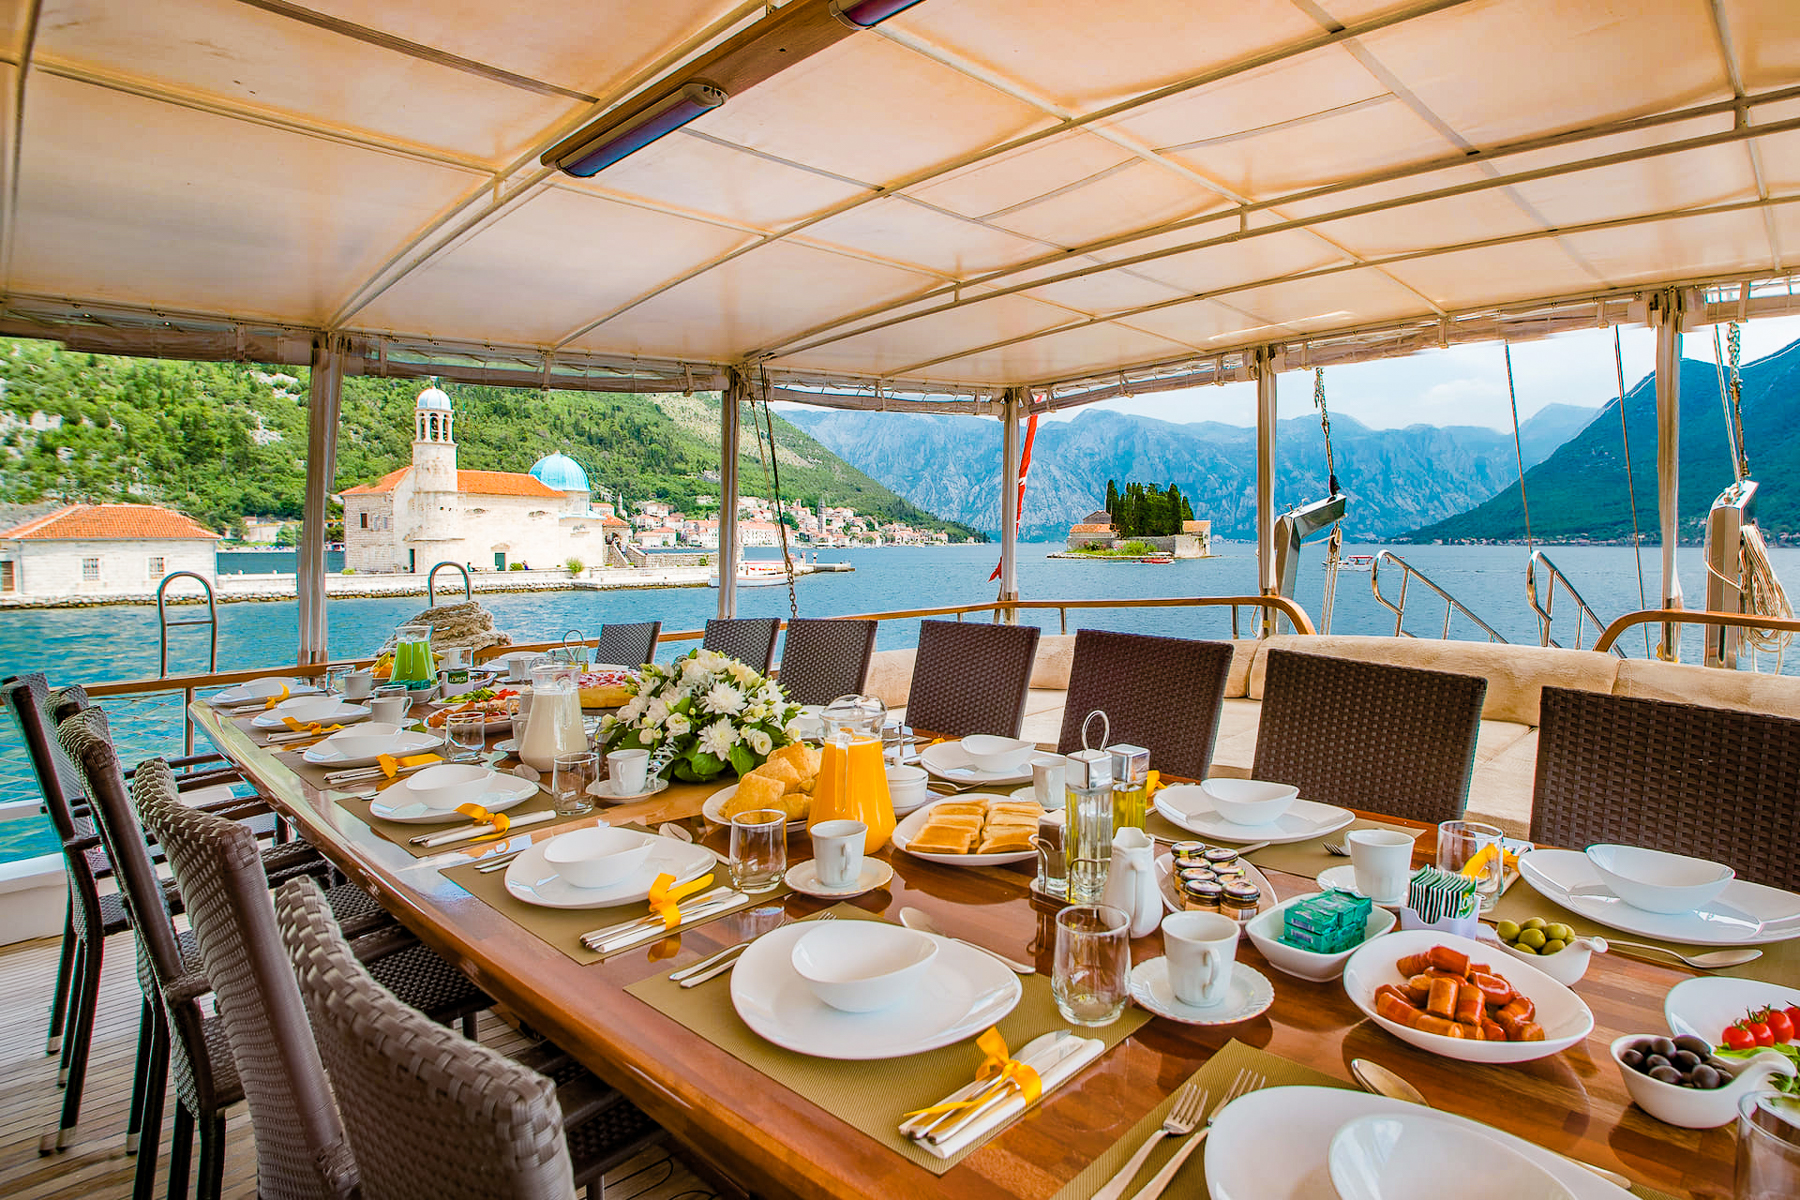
x=1678, y=1080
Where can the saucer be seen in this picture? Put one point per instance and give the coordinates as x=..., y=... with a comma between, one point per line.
x=1248, y=995
x=1343, y=879
x=603, y=790
x=507, y=746
x=803, y=877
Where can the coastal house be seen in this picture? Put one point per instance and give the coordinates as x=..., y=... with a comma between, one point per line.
x=1095, y=527
x=432, y=512
x=102, y=550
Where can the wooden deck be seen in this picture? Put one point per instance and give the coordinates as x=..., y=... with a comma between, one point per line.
x=96, y=1166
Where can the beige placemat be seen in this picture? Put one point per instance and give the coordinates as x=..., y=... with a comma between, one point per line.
x=1306, y=859
x=872, y=1096
x=401, y=834
x=1216, y=1079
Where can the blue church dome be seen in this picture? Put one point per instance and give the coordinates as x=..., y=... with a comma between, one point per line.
x=560, y=472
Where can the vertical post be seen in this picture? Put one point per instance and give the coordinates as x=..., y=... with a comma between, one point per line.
x=1009, y=499
x=1265, y=368
x=1667, y=316
x=323, y=403
x=737, y=391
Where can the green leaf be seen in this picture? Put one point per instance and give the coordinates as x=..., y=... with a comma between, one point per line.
x=742, y=760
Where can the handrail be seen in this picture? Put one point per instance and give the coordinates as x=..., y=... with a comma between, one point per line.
x=1583, y=613
x=210, y=620
x=431, y=583
x=1452, y=605
x=1683, y=616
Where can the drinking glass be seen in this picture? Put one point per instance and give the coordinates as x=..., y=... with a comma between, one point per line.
x=1462, y=843
x=334, y=680
x=758, y=849
x=1768, y=1147
x=1092, y=978
x=467, y=735
x=572, y=775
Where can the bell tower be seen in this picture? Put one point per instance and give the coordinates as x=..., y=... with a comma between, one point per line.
x=434, y=447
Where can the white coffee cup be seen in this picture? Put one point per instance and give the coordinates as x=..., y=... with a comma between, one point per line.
x=359, y=684
x=455, y=657
x=518, y=668
x=391, y=709
x=906, y=787
x=838, y=852
x=1382, y=859
x=1047, y=775
x=628, y=771
x=1201, y=948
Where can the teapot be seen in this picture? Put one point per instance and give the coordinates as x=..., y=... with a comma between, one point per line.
x=1131, y=881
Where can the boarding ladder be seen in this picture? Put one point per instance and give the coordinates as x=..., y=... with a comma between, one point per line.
x=431, y=583
x=1539, y=563
x=1397, y=606
x=165, y=623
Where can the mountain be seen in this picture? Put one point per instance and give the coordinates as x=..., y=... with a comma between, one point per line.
x=1397, y=479
x=221, y=441
x=1579, y=492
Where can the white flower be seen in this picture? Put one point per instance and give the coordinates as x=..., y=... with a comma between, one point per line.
x=718, y=738
x=740, y=672
x=634, y=708
x=693, y=671
x=756, y=713
x=793, y=729
x=758, y=741
x=769, y=693
x=657, y=712
x=608, y=723
x=723, y=698
x=678, y=725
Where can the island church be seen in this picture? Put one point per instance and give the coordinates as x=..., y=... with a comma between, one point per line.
x=430, y=512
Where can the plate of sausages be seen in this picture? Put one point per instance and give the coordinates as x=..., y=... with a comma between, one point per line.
x=1457, y=997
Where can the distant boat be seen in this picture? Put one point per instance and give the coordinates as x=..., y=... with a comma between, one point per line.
x=1158, y=559
x=754, y=574
x=1354, y=562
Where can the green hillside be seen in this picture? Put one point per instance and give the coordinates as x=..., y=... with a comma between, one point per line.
x=221, y=441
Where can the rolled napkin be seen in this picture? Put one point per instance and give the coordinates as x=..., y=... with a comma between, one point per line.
x=1054, y=1065
x=385, y=768
x=301, y=733
x=489, y=825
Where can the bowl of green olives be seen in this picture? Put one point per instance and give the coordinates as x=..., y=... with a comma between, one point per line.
x=1549, y=946
x=1679, y=1081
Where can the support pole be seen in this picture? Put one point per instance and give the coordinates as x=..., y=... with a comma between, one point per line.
x=1009, y=498
x=1265, y=367
x=737, y=392
x=1667, y=315
x=323, y=403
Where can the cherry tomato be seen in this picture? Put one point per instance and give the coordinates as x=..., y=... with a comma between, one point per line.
x=1793, y=1016
x=1780, y=1026
x=1760, y=1031
x=1738, y=1038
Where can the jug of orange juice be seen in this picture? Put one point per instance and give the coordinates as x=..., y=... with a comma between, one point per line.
x=853, y=774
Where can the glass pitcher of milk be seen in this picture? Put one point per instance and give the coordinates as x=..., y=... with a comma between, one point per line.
x=554, y=726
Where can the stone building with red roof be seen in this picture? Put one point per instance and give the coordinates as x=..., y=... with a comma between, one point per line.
x=102, y=550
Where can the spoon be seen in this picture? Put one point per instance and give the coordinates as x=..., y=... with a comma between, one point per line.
x=1373, y=1077
x=1710, y=961
x=914, y=918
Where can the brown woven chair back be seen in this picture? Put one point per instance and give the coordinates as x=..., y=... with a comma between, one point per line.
x=824, y=659
x=971, y=678
x=301, y=1151
x=28, y=699
x=1161, y=693
x=1709, y=782
x=750, y=640
x=431, y=1115
x=628, y=645
x=1386, y=739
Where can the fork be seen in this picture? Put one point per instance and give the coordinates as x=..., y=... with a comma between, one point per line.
x=1246, y=1081
x=1181, y=1120
x=1337, y=848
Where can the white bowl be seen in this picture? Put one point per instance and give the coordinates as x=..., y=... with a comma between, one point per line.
x=262, y=689
x=1706, y=1004
x=906, y=788
x=447, y=785
x=1408, y=1156
x=1565, y=1018
x=361, y=741
x=1656, y=881
x=309, y=708
x=1691, y=1108
x=1249, y=801
x=1566, y=966
x=1265, y=935
x=990, y=753
x=861, y=966
x=597, y=857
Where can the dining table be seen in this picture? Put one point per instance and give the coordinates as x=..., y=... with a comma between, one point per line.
x=758, y=1135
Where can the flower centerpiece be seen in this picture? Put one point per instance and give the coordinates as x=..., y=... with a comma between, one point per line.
x=717, y=712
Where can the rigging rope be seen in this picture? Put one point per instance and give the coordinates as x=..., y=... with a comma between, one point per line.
x=772, y=471
x=1637, y=549
x=1336, y=541
x=1518, y=450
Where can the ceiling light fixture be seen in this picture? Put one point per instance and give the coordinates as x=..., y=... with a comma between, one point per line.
x=601, y=145
x=864, y=14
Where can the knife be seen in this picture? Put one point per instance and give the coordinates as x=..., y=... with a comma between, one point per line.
x=1040, y=1062
x=1036, y=1046
x=688, y=919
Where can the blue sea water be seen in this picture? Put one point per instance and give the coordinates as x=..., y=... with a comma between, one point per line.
x=120, y=642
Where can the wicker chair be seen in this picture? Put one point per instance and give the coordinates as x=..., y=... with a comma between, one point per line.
x=1162, y=693
x=824, y=659
x=971, y=678
x=433, y=1116
x=1394, y=740
x=628, y=645
x=1711, y=782
x=750, y=640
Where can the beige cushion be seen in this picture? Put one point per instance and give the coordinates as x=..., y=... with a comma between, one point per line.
x=1516, y=675
x=890, y=676
x=1495, y=737
x=1055, y=655
x=1243, y=657
x=1778, y=695
x=1235, y=745
x=1500, y=789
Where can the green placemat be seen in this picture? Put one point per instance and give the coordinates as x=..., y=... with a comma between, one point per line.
x=1216, y=1079
x=1306, y=859
x=872, y=1096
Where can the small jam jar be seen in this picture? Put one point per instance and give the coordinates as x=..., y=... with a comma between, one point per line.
x=1220, y=854
x=1188, y=854
x=1240, y=901
x=1204, y=896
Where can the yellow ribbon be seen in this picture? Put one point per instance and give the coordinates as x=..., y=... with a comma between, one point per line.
x=665, y=895
x=480, y=815
x=999, y=1066
x=1153, y=783
x=274, y=700
x=315, y=727
x=390, y=766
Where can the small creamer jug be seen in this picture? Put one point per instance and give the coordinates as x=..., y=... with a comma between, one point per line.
x=1131, y=881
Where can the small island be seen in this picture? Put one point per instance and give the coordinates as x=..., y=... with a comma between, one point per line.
x=1141, y=523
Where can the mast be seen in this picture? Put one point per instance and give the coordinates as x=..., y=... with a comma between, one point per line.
x=324, y=401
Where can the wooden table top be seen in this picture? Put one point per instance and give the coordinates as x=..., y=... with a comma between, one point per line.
x=774, y=1142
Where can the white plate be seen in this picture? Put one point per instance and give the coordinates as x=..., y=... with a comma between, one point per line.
x=804, y=878
x=237, y=695
x=962, y=992
x=1706, y=1004
x=408, y=741
x=1744, y=914
x=1171, y=894
x=713, y=809
x=503, y=792
x=1565, y=1017
x=1343, y=879
x=603, y=790
x=1191, y=808
x=948, y=760
x=909, y=827
x=343, y=714
x=531, y=879
x=1248, y=995
x=1274, y=1144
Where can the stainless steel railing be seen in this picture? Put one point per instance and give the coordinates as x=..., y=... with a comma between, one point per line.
x=1538, y=563
x=1397, y=606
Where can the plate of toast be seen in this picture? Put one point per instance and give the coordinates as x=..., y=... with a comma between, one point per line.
x=785, y=781
x=973, y=829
